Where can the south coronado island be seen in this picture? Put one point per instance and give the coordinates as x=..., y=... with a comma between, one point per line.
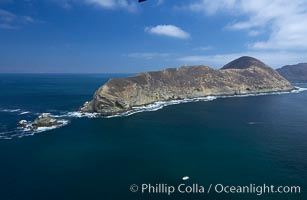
x=245, y=75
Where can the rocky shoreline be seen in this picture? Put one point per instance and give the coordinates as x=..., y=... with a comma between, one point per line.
x=245, y=75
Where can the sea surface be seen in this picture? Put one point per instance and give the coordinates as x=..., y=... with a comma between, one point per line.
x=230, y=141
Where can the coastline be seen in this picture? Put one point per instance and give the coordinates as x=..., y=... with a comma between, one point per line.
x=66, y=117
x=183, y=100
x=160, y=104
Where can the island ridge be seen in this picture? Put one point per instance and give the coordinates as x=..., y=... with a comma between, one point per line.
x=245, y=75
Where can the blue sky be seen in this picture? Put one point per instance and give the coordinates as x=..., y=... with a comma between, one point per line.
x=119, y=36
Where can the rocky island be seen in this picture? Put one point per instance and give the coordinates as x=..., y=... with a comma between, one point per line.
x=44, y=120
x=245, y=75
x=294, y=73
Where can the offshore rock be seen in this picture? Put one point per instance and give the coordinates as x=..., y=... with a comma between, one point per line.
x=45, y=120
x=23, y=123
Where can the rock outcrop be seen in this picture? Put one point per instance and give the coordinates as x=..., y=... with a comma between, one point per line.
x=44, y=120
x=23, y=123
x=294, y=73
x=245, y=75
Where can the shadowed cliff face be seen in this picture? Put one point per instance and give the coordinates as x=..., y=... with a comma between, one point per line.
x=122, y=94
x=294, y=73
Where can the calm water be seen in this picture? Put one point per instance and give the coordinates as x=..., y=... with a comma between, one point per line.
x=232, y=141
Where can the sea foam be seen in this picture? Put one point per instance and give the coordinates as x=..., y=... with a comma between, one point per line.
x=24, y=113
x=10, y=110
x=66, y=116
x=161, y=104
x=22, y=132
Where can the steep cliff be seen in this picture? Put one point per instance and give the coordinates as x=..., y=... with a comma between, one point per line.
x=122, y=94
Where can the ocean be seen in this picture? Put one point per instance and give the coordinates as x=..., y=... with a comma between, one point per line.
x=214, y=141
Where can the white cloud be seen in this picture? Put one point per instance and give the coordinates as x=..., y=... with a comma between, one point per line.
x=129, y=5
x=6, y=16
x=254, y=33
x=272, y=58
x=103, y=3
x=148, y=55
x=284, y=20
x=168, y=30
x=114, y=4
x=210, y=7
x=204, y=48
x=9, y=20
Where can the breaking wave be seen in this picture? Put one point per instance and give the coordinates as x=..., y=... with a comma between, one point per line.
x=65, y=117
x=24, y=113
x=159, y=105
x=10, y=110
x=23, y=132
x=13, y=111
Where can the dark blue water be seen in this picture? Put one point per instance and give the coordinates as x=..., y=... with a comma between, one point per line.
x=232, y=141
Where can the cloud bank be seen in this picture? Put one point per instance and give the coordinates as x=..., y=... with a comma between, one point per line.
x=285, y=20
x=273, y=59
